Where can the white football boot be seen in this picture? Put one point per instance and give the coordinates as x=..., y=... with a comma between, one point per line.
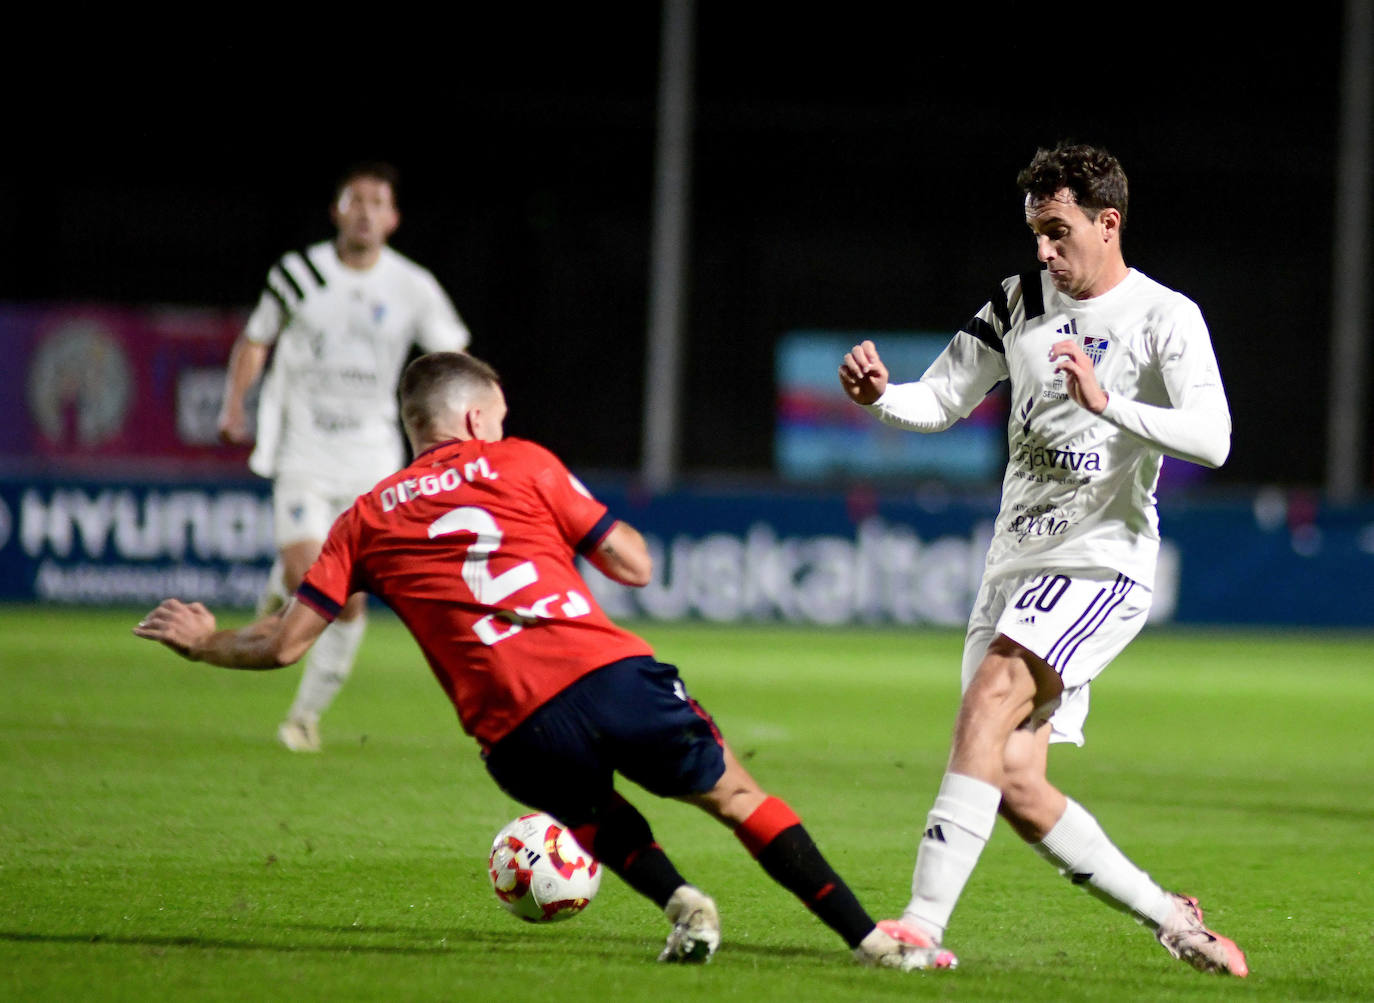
x=1184, y=936
x=299, y=734
x=892, y=944
x=696, y=927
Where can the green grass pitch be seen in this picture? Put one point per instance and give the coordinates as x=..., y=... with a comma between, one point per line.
x=156, y=843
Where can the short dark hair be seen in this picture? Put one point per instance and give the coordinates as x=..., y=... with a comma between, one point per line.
x=377, y=170
x=1093, y=175
x=437, y=381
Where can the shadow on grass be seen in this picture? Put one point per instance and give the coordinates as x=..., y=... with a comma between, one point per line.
x=353, y=940
x=217, y=943
x=515, y=937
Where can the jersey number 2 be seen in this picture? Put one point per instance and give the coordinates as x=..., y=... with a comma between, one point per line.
x=490, y=589
x=485, y=587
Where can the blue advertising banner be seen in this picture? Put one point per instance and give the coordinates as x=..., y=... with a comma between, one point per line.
x=719, y=555
x=1274, y=558
x=114, y=543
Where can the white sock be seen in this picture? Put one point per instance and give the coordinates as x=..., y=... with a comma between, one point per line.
x=957, y=829
x=327, y=667
x=1083, y=853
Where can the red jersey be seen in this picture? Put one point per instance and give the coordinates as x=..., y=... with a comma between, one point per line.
x=473, y=546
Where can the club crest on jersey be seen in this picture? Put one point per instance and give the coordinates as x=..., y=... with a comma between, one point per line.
x=1094, y=348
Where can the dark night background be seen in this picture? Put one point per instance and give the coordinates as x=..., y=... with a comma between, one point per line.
x=853, y=168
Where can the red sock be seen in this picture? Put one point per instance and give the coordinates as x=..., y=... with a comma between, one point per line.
x=765, y=823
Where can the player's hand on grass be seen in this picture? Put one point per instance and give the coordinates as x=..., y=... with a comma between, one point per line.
x=180, y=626
x=862, y=374
x=1080, y=379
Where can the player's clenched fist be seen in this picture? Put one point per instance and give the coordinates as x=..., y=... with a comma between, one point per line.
x=862, y=374
x=1080, y=378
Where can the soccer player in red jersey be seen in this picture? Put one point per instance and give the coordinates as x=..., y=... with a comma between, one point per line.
x=473, y=545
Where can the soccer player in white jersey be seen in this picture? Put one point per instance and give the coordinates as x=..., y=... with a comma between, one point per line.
x=339, y=320
x=1109, y=372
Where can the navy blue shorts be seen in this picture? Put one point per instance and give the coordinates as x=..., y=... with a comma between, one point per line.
x=633, y=717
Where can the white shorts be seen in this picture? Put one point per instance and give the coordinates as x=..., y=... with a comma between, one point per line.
x=1076, y=620
x=302, y=510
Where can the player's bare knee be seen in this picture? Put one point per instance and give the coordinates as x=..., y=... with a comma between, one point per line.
x=733, y=798
x=1001, y=689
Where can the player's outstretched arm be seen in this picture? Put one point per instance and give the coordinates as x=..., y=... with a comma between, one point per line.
x=623, y=556
x=269, y=643
x=862, y=374
x=246, y=362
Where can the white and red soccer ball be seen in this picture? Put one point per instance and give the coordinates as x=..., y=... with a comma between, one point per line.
x=540, y=872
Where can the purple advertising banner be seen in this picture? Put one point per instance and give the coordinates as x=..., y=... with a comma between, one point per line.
x=102, y=390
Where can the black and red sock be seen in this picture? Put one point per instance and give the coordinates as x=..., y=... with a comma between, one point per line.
x=785, y=850
x=621, y=839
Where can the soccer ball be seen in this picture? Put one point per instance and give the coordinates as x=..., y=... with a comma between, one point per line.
x=540, y=872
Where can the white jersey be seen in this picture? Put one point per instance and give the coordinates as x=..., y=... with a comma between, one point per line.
x=328, y=408
x=1079, y=490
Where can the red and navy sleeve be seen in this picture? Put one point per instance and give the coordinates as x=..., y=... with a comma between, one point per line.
x=593, y=537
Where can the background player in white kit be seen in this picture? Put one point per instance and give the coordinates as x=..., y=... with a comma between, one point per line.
x=1109, y=370
x=343, y=316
